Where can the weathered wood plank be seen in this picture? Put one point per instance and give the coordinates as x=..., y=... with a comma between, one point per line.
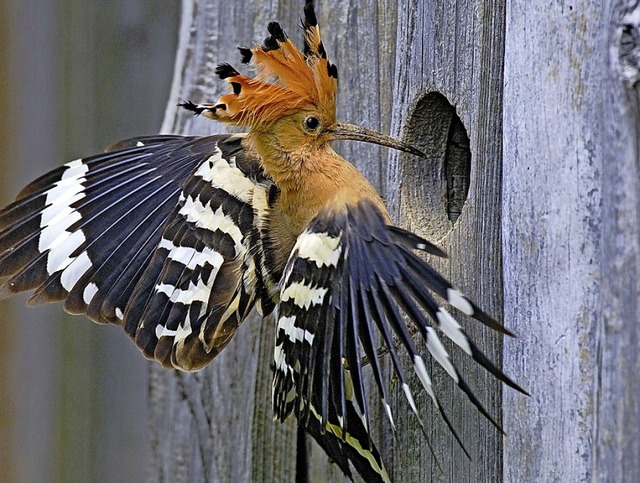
x=571, y=241
x=455, y=49
x=216, y=425
x=388, y=56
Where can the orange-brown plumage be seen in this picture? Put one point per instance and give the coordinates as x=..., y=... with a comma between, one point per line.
x=286, y=81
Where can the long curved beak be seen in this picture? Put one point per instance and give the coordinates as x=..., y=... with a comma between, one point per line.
x=344, y=131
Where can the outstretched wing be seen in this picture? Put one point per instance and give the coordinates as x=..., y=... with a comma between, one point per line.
x=349, y=276
x=153, y=234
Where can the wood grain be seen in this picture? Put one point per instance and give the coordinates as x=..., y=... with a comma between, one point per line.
x=455, y=49
x=389, y=55
x=571, y=241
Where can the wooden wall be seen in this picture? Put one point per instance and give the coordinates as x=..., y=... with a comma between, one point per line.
x=571, y=190
x=547, y=240
x=548, y=94
x=216, y=425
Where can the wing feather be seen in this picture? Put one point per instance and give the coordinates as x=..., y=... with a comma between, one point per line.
x=374, y=283
x=158, y=234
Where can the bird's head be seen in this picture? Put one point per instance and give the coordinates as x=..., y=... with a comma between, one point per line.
x=290, y=103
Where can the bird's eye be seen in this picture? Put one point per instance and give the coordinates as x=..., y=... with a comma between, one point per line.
x=311, y=123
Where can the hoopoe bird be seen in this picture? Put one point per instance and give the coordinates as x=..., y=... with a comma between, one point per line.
x=178, y=238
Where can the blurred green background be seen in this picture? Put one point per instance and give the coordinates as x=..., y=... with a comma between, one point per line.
x=75, y=76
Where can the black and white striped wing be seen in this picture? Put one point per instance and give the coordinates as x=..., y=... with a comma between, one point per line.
x=308, y=377
x=107, y=232
x=349, y=276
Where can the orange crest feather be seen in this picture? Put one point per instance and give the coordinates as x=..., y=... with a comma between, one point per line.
x=287, y=80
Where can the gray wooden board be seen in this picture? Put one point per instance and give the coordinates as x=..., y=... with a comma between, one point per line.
x=571, y=254
x=210, y=425
x=553, y=205
x=454, y=49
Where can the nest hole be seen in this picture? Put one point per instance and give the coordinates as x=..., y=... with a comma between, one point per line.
x=440, y=184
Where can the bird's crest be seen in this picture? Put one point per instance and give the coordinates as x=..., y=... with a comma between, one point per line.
x=286, y=80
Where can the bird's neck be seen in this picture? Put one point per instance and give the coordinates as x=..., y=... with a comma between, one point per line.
x=290, y=169
x=309, y=181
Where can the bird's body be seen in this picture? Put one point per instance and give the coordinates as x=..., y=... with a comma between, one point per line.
x=178, y=238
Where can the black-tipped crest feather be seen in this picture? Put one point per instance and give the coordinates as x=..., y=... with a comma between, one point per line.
x=276, y=32
x=225, y=71
x=245, y=54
